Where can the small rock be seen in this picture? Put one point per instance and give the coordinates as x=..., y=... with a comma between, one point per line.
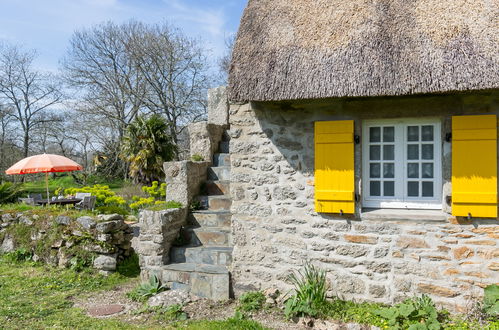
x=270, y=301
x=131, y=219
x=109, y=217
x=7, y=245
x=58, y=244
x=306, y=321
x=109, y=226
x=7, y=217
x=271, y=293
x=63, y=220
x=168, y=298
x=86, y=222
x=25, y=221
x=106, y=263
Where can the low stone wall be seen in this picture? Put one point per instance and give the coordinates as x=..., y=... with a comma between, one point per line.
x=103, y=240
x=158, y=230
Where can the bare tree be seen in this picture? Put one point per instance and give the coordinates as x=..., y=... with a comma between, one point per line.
x=225, y=60
x=97, y=64
x=28, y=92
x=175, y=70
x=7, y=133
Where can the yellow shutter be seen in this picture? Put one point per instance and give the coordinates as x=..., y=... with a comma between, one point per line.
x=474, y=166
x=334, y=167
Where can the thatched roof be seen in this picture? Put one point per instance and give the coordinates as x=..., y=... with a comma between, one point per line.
x=309, y=49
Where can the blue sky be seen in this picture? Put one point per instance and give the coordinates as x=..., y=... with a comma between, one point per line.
x=47, y=25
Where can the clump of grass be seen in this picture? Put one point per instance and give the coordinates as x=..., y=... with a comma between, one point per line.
x=310, y=292
x=197, y=158
x=251, y=301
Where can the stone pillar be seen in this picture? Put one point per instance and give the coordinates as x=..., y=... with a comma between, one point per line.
x=183, y=180
x=158, y=229
x=204, y=138
x=218, y=106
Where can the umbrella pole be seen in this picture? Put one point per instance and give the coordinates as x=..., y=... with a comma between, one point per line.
x=47, y=186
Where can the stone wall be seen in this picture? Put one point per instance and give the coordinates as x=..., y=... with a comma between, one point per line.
x=158, y=230
x=55, y=240
x=276, y=229
x=183, y=180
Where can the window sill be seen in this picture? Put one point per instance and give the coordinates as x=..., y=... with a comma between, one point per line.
x=404, y=215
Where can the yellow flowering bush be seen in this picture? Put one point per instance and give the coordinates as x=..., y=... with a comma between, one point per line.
x=156, y=190
x=104, y=195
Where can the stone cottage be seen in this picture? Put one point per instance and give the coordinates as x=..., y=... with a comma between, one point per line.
x=363, y=139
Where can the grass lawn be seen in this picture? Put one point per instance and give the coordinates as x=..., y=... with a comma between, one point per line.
x=35, y=296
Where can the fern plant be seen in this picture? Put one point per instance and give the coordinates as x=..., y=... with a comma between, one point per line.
x=9, y=192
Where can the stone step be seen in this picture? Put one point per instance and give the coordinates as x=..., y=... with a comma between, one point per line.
x=221, y=173
x=208, y=255
x=215, y=203
x=222, y=159
x=208, y=236
x=217, y=187
x=206, y=281
x=224, y=147
x=207, y=218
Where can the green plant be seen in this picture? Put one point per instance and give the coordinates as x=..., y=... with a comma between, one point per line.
x=9, y=192
x=491, y=300
x=251, y=301
x=104, y=195
x=147, y=289
x=418, y=313
x=19, y=255
x=129, y=267
x=174, y=312
x=78, y=264
x=156, y=190
x=197, y=158
x=146, y=146
x=112, y=209
x=310, y=292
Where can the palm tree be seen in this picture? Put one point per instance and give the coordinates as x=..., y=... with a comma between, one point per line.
x=146, y=146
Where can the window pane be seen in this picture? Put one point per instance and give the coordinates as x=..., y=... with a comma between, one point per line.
x=427, y=132
x=412, y=133
x=413, y=189
x=412, y=151
x=374, y=152
x=427, y=170
x=388, y=152
x=388, y=134
x=375, y=170
x=375, y=134
x=427, y=151
x=388, y=188
x=413, y=170
x=427, y=189
x=375, y=188
x=388, y=170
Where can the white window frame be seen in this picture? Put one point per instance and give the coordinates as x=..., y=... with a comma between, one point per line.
x=399, y=201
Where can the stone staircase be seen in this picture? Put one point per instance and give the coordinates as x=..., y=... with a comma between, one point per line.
x=201, y=265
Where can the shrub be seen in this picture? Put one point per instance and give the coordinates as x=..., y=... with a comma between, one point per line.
x=310, y=292
x=112, y=209
x=9, y=192
x=418, y=313
x=251, y=301
x=147, y=289
x=156, y=190
x=19, y=255
x=104, y=195
x=491, y=300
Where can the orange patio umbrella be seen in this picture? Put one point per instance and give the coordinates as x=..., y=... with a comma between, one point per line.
x=44, y=163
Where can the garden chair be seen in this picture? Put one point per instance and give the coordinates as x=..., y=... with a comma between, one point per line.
x=27, y=201
x=36, y=197
x=81, y=195
x=88, y=203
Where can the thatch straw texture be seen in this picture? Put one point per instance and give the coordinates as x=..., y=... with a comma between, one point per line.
x=310, y=49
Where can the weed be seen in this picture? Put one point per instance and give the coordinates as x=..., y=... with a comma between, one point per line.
x=147, y=289
x=19, y=255
x=197, y=158
x=418, y=313
x=251, y=301
x=491, y=300
x=129, y=267
x=310, y=292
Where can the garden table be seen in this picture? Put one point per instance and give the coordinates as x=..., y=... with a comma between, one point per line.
x=62, y=201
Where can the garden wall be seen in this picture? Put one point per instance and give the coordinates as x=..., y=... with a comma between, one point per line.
x=374, y=258
x=63, y=241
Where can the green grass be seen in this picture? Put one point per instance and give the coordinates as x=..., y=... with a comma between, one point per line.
x=36, y=296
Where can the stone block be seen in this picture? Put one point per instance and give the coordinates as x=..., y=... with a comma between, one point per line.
x=218, y=106
x=63, y=220
x=86, y=222
x=462, y=252
x=437, y=290
x=107, y=263
x=362, y=239
x=409, y=242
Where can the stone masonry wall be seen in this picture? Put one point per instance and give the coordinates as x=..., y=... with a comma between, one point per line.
x=57, y=239
x=275, y=227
